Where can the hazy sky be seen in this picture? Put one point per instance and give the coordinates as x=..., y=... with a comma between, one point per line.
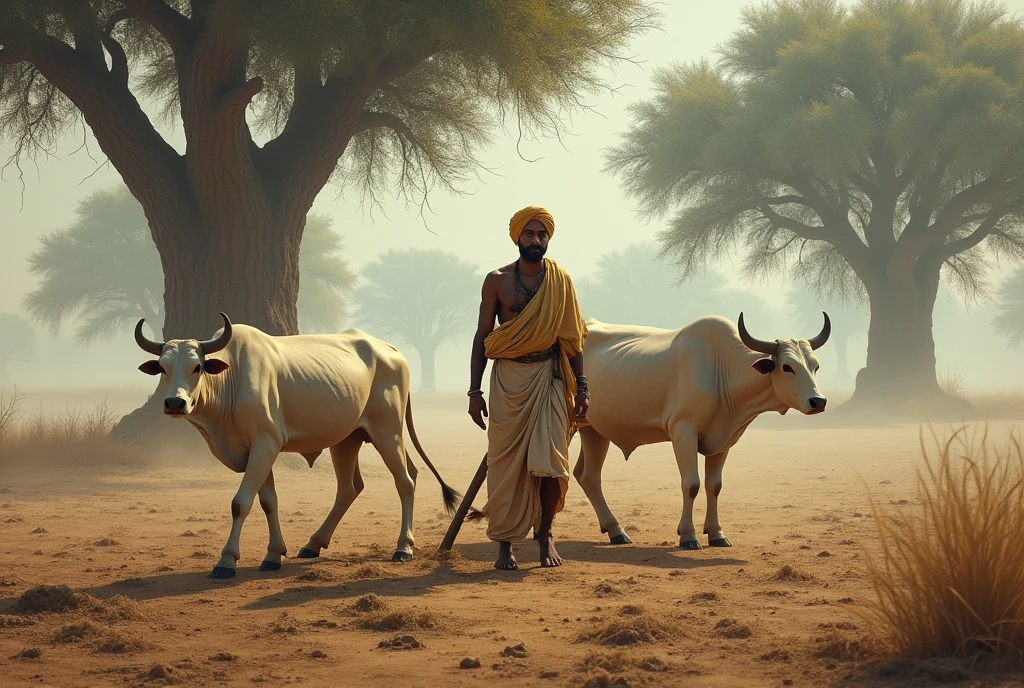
x=591, y=214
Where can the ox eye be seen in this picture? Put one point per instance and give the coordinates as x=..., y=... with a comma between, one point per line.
x=786, y=368
x=199, y=367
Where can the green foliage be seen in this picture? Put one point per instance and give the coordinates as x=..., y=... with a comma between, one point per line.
x=326, y=282
x=104, y=273
x=1010, y=301
x=443, y=74
x=420, y=296
x=827, y=134
x=633, y=286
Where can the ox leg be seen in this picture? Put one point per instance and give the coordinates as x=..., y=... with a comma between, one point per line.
x=593, y=452
x=393, y=453
x=276, y=549
x=345, y=456
x=713, y=466
x=262, y=455
x=684, y=446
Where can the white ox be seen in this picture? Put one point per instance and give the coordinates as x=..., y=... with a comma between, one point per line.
x=698, y=387
x=263, y=395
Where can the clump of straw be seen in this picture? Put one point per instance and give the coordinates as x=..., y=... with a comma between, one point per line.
x=949, y=578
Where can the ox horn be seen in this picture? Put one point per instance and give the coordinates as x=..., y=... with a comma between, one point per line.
x=210, y=346
x=758, y=345
x=826, y=330
x=147, y=345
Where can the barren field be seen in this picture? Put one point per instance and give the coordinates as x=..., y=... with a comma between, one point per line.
x=778, y=608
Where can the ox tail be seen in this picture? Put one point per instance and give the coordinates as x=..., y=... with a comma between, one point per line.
x=450, y=496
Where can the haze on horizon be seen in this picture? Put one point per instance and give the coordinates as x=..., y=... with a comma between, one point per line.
x=593, y=217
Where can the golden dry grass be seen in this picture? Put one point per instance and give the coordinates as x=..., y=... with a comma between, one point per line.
x=48, y=434
x=949, y=577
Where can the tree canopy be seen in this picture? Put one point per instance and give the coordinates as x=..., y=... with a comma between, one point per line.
x=1010, y=302
x=420, y=296
x=419, y=85
x=868, y=149
x=633, y=286
x=103, y=272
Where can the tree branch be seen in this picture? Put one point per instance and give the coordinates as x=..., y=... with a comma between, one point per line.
x=239, y=98
x=804, y=231
x=917, y=239
x=945, y=251
x=171, y=24
x=370, y=119
x=9, y=56
x=118, y=58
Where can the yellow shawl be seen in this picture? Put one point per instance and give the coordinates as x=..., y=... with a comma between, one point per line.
x=553, y=314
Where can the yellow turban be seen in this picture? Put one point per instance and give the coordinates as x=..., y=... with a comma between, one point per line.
x=523, y=217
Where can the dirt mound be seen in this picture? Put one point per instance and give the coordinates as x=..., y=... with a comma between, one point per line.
x=632, y=630
x=370, y=572
x=730, y=628
x=603, y=679
x=368, y=604
x=788, y=573
x=406, y=620
x=77, y=632
x=44, y=599
x=401, y=642
x=836, y=645
x=317, y=576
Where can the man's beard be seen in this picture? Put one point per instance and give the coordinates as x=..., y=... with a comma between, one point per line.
x=532, y=254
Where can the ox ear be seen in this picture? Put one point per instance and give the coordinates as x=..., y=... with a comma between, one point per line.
x=151, y=368
x=764, y=365
x=215, y=366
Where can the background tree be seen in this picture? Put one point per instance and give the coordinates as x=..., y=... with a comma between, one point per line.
x=849, y=320
x=875, y=148
x=17, y=343
x=104, y=273
x=405, y=90
x=420, y=296
x=1010, y=302
x=634, y=286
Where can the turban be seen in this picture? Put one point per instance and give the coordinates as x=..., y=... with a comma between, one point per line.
x=533, y=212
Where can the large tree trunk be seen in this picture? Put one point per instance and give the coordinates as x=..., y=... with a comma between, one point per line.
x=247, y=269
x=899, y=378
x=428, y=372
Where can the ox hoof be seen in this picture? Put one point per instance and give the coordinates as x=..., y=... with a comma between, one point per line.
x=306, y=553
x=401, y=555
x=691, y=545
x=720, y=542
x=222, y=572
x=270, y=566
x=621, y=539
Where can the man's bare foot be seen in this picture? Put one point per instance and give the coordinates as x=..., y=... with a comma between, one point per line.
x=548, y=554
x=506, y=561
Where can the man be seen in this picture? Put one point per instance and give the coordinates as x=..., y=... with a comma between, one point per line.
x=537, y=386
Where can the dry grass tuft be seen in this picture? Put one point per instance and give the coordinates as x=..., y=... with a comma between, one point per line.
x=8, y=621
x=629, y=630
x=77, y=632
x=949, y=579
x=603, y=679
x=49, y=435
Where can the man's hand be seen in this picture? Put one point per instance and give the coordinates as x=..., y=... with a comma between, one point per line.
x=582, y=404
x=478, y=410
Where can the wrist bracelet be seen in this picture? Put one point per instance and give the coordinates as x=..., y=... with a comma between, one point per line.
x=474, y=392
